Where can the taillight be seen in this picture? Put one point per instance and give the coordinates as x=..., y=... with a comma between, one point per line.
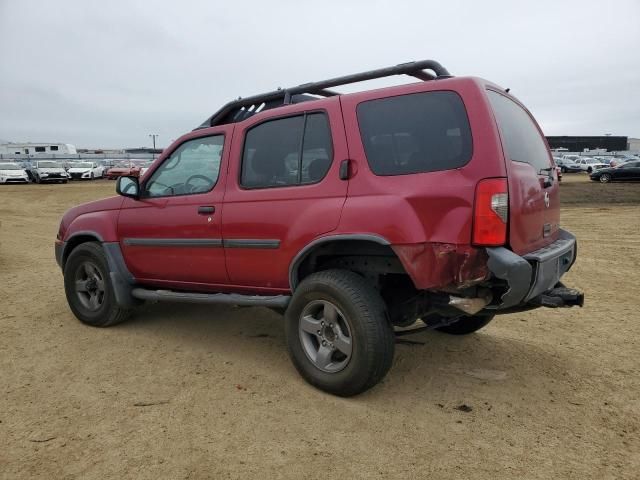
x=491, y=212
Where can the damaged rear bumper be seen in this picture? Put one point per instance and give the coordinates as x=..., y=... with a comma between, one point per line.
x=534, y=279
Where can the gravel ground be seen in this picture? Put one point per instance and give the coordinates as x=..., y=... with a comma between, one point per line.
x=187, y=391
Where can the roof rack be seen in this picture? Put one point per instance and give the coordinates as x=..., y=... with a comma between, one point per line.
x=243, y=108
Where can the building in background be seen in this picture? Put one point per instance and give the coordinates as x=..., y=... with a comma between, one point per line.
x=36, y=148
x=634, y=144
x=609, y=143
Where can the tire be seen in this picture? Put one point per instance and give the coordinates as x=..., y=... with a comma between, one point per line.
x=467, y=325
x=589, y=170
x=563, y=170
x=37, y=179
x=605, y=178
x=91, y=177
x=87, y=263
x=359, y=324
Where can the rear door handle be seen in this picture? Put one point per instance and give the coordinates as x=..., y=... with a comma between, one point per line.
x=206, y=210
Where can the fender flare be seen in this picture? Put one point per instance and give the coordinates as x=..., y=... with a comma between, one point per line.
x=306, y=250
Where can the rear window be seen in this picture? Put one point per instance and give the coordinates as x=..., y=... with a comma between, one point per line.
x=416, y=133
x=521, y=139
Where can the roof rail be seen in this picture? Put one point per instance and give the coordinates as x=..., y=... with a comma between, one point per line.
x=242, y=108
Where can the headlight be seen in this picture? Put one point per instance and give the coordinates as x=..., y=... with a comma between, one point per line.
x=64, y=174
x=44, y=174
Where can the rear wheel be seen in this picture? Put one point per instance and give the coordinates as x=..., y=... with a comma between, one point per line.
x=337, y=331
x=88, y=287
x=605, y=178
x=467, y=325
x=589, y=170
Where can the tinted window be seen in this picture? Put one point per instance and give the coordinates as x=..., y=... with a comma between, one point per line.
x=192, y=168
x=421, y=132
x=521, y=140
x=287, y=151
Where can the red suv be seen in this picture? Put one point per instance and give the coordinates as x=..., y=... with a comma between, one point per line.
x=432, y=204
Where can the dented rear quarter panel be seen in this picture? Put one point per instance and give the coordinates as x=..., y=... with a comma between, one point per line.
x=427, y=217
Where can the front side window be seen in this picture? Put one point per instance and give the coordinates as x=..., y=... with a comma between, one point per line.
x=287, y=151
x=415, y=133
x=192, y=168
x=521, y=139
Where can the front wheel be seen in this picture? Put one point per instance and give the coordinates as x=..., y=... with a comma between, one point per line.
x=605, y=178
x=88, y=288
x=589, y=170
x=467, y=325
x=563, y=170
x=338, y=334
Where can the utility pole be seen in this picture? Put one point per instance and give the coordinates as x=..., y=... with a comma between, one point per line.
x=153, y=136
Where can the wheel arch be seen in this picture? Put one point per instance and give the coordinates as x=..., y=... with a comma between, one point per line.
x=302, y=264
x=76, y=239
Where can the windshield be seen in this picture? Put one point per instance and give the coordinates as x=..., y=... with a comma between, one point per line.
x=593, y=160
x=49, y=165
x=83, y=165
x=9, y=166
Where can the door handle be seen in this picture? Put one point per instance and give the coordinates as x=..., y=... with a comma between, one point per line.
x=206, y=210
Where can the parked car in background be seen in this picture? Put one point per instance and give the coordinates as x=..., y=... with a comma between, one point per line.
x=144, y=167
x=572, y=157
x=625, y=172
x=123, y=169
x=588, y=164
x=42, y=171
x=86, y=171
x=11, y=172
x=617, y=161
x=567, y=166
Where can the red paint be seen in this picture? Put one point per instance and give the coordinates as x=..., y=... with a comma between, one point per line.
x=427, y=218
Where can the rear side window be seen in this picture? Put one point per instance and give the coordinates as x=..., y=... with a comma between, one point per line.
x=521, y=138
x=287, y=151
x=416, y=133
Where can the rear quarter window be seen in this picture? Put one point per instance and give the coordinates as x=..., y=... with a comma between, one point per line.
x=521, y=139
x=415, y=133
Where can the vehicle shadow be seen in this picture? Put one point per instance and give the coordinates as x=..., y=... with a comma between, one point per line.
x=429, y=365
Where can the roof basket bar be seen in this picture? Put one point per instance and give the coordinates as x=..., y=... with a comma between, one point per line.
x=322, y=88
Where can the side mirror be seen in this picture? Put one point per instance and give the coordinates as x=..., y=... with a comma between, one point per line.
x=128, y=187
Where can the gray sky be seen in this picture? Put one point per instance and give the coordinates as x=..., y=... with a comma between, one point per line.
x=106, y=74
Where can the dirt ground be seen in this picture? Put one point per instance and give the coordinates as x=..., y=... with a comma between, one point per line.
x=185, y=391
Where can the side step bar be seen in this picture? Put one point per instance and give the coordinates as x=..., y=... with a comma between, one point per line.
x=275, y=301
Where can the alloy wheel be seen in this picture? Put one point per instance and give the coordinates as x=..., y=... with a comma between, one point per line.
x=325, y=336
x=90, y=286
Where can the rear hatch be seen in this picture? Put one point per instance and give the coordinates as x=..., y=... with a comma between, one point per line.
x=534, y=197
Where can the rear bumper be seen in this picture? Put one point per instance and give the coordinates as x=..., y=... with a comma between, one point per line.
x=530, y=276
